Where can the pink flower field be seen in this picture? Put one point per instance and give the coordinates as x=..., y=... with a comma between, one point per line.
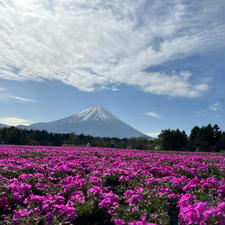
x=97, y=186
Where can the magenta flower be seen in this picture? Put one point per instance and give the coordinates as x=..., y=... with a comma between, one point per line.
x=119, y=222
x=95, y=180
x=96, y=191
x=135, y=198
x=109, y=202
x=66, y=210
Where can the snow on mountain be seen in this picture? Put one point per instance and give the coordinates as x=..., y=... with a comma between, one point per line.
x=95, y=113
x=95, y=121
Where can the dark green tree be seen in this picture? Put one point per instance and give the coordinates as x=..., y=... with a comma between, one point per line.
x=194, y=138
x=173, y=140
x=207, y=138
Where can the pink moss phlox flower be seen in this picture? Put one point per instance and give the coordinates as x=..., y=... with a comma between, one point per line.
x=193, y=183
x=128, y=193
x=19, y=190
x=20, y=213
x=140, y=223
x=59, y=199
x=76, y=196
x=105, y=174
x=165, y=191
x=179, y=181
x=22, y=188
x=124, y=178
x=119, y=222
x=109, y=202
x=49, y=217
x=96, y=191
x=221, y=209
x=63, y=168
x=194, y=213
x=139, y=189
x=39, y=175
x=52, y=178
x=4, y=204
x=221, y=191
x=24, y=212
x=96, y=172
x=186, y=200
x=175, y=196
x=143, y=218
x=66, y=210
x=133, y=196
x=152, y=180
x=40, y=186
x=25, y=176
x=95, y=180
x=207, y=213
x=72, y=183
x=36, y=199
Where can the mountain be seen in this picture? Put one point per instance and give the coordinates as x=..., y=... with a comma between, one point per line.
x=94, y=121
x=3, y=125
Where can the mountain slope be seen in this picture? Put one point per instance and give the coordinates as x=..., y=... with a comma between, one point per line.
x=94, y=121
x=3, y=125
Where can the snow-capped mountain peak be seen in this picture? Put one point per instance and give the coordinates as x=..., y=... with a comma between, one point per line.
x=93, y=114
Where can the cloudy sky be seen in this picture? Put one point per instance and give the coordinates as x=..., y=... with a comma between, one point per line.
x=154, y=64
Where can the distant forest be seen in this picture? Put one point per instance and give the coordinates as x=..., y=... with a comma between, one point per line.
x=207, y=138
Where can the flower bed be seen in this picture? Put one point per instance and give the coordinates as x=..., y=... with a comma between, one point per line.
x=97, y=186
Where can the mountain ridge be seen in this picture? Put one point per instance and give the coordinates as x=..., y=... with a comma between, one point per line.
x=3, y=125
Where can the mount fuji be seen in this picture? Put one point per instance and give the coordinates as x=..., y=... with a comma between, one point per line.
x=95, y=121
x=3, y=125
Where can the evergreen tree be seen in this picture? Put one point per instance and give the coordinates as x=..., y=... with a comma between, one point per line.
x=194, y=138
x=173, y=140
x=222, y=142
x=217, y=138
x=207, y=138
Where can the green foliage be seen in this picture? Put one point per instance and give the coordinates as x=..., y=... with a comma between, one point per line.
x=207, y=138
x=111, y=180
x=173, y=211
x=155, y=208
x=183, y=172
x=13, y=135
x=213, y=170
x=173, y=140
x=89, y=213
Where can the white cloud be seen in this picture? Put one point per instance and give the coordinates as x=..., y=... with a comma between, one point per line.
x=202, y=112
x=21, y=99
x=152, y=134
x=5, y=96
x=215, y=107
x=114, y=88
x=98, y=44
x=153, y=114
x=12, y=121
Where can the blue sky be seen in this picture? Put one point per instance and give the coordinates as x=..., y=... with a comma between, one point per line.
x=155, y=65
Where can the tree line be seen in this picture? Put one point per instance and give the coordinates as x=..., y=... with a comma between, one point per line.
x=16, y=136
x=207, y=138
